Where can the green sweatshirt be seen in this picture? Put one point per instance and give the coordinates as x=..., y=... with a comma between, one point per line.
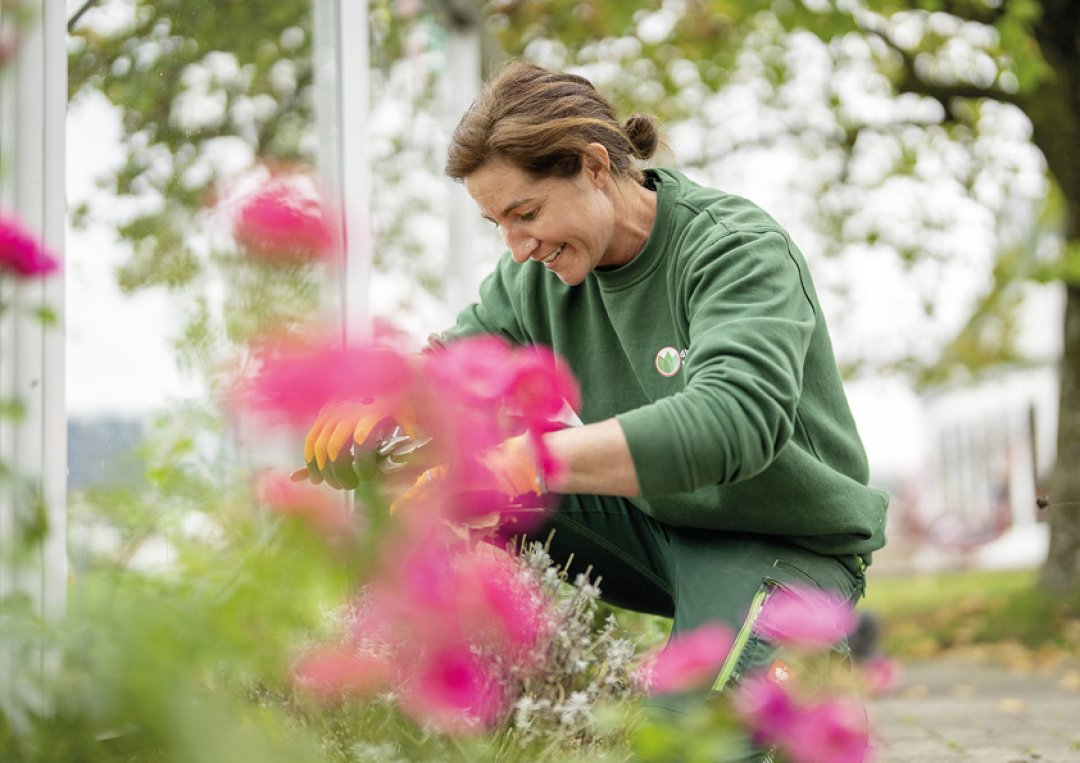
x=711, y=351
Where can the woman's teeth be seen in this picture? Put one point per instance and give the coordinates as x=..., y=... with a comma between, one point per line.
x=551, y=257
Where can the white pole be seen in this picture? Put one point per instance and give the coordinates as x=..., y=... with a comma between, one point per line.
x=462, y=85
x=33, y=101
x=342, y=85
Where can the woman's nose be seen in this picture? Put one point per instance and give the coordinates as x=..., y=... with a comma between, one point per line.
x=523, y=248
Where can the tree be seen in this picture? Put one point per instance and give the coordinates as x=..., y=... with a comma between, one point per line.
x=950, y=70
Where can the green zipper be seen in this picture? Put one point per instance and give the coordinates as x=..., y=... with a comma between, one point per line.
x=744, y=635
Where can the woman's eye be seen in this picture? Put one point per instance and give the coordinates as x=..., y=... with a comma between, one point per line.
x=526, y=216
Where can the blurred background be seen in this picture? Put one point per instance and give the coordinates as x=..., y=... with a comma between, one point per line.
x=896, y=143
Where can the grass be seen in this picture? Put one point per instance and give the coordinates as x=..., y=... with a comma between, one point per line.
x=927, y=614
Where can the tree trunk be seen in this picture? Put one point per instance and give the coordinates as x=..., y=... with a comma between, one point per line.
x=1055, y=117
x=1061, y=571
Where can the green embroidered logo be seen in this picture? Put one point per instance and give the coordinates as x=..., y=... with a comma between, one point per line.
x=668, y=361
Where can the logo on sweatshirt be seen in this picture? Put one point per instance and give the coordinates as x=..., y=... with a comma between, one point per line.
x=669, y=361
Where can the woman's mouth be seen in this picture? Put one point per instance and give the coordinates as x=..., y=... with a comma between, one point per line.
x=550, y=259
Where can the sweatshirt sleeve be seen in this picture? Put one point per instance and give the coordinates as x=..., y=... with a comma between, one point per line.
x=750, y=324
x=495, y=312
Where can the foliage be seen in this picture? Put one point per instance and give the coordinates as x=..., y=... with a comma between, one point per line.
x=922, y=616
x=883, y=180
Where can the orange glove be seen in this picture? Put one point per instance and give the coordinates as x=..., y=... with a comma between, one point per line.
x=513, y=467
x=340, y=446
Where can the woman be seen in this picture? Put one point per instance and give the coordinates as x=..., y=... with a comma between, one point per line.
x=718, y=456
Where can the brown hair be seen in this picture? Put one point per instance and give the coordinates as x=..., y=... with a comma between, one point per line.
x=542, y=122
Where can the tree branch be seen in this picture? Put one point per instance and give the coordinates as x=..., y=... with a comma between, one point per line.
x=973, y=10
x=74, y=19
x=942, y=92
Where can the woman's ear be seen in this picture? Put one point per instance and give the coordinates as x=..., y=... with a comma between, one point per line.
x=596, y=164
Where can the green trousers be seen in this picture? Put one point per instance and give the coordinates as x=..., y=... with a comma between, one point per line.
x=692, y=575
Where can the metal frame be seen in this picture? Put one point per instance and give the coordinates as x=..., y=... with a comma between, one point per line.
x=33, y=106
x=342, y=65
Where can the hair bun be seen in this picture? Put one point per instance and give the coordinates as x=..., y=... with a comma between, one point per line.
x=643, y=132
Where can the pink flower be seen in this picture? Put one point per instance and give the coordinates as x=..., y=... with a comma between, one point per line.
x=280, y=223
x=21, y=253
x=806, y=618
x=322, y=511
x=501, y=601
x=542, y=385
x=690, y=659
x=832, y=731
x=881, y=675
x=454, y=689
x=473, y=371
x=335, y=672
x=295, y=381
x=766, y=708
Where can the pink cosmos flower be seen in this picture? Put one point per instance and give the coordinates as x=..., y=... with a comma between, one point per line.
x=21, y=253
x=473, y=371
x=472, y=594
x=280, y=224
x=338, y=671
x=806, y=618
x=453, y=689
x=881, y=675
x=834, y=730
x=766, y=708
x=295, y=381
x=690, y=659
x=542, y=385
x=322, y=511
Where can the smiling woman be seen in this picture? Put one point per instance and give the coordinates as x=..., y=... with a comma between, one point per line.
x=718, y=462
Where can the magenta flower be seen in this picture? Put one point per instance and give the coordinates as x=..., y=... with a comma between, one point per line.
x=835, y=730
x=335, y=672
x=295, y=381
x=21, y=253
x=542, y=385
x=320, y=510
x=280, y=223
x=767, y=709
x=690, y=659
x=473, y=371
x=881, y=675
x=454, y=689
x=806, y=618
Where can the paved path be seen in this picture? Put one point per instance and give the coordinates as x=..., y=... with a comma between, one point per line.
x=957, y=709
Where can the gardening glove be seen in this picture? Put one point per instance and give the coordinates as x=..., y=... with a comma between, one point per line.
x=340, y=447
x=514, y=475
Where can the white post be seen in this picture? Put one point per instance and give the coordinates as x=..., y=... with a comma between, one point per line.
x=342, y=86
x=461, y=86
x=33, y=449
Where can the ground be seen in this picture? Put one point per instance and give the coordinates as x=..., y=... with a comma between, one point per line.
x=976, y=706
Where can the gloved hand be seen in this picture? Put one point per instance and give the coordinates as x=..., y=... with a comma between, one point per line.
x=511, y=470
x=340, y=447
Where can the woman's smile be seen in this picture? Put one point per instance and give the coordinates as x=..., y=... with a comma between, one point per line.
x=550, y=259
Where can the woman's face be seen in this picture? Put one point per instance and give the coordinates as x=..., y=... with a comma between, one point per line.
x=566, y=224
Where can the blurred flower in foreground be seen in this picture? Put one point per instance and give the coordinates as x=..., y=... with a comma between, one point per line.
x=689, y=660
x=880, y=675
x=447, y=620
x=283, y=223
x=455, y=689
x=321, y=511
x=335, y=672
x=21, y=253
x=806, y=618
x=296, y=379
x=828, y=730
